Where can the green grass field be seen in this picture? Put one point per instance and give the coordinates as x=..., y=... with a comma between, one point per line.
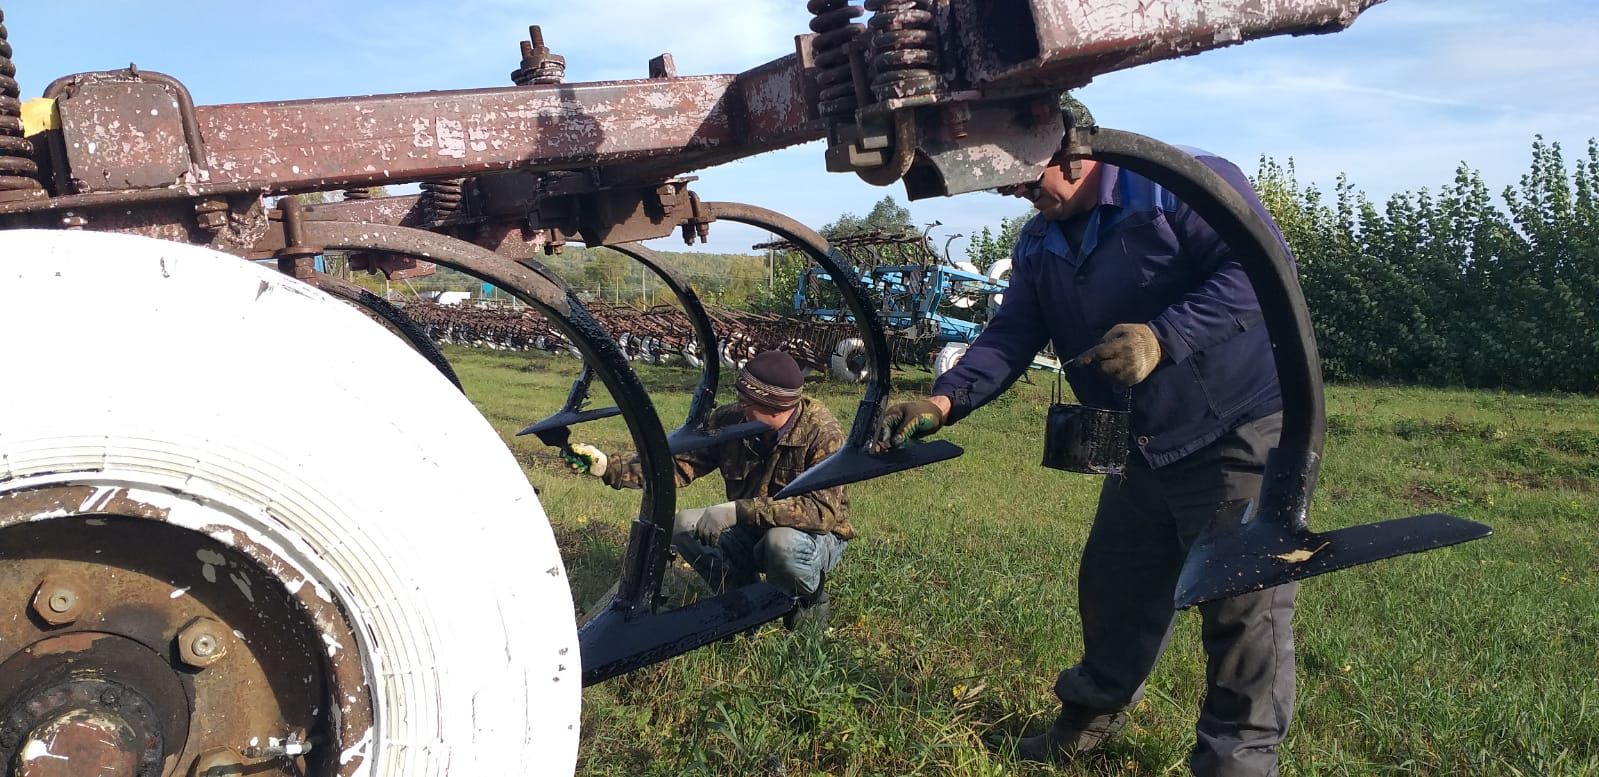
x=956, y=607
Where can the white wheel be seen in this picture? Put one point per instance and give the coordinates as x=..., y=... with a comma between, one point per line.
x=172, y=393
x=691, y=354
x=947, y=357
x=733, y=355
x=998, y=271
x=848, y=362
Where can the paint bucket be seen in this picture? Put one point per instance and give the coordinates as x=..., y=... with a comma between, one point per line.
x=1083, y=439
x=1090, y=440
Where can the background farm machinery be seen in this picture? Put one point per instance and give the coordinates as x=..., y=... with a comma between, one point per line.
x=930, y=306
x=209, y=575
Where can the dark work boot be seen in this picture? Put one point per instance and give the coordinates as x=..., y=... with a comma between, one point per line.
x=1074, y=733
x=812, y=613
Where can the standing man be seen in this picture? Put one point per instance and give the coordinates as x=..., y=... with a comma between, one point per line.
x=795, y=541
x=1115, y=269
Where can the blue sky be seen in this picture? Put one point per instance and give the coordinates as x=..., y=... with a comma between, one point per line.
x=1397, y=102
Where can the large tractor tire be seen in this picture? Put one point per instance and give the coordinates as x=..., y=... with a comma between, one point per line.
x=245, y=529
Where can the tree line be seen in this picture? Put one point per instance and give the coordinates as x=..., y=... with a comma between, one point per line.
x=1456, y=288
x=1453, y=288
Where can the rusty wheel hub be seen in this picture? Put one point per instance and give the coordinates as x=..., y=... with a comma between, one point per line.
x=138, y=648
x=89, y=725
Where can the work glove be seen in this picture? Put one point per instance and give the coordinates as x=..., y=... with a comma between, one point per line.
x=1127, y=353
x=715, y=520
x=585, y=459
x=907, y=421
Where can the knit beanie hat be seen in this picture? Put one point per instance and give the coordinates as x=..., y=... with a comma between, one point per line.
x=771, y=379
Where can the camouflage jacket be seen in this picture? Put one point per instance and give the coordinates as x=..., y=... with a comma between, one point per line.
x=751, y=478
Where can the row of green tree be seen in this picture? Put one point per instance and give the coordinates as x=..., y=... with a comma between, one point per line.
x=1458, y=288
x=1453, y=288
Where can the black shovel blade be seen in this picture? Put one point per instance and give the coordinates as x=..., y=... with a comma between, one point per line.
x=554, y=430
x=1264, y=553
x=612, y=643
x=852, y=465
x=685, y=439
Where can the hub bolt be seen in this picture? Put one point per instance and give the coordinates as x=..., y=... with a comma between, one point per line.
x=56, y=602
x=201, y=643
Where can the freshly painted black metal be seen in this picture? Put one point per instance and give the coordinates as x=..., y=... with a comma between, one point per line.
x=1276, y=544
x=555, y=429
x=854, y=462
x=650, y=534
x=692, y=435
x=626, y=634
x=614, y=644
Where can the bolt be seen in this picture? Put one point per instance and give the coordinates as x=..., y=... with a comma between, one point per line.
x=200, y=644
x=61, y=600
x=56, y=603
x=211, y=214
x=204, y=646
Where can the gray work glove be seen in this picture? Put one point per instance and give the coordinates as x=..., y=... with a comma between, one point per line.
x=585, y=459
x=1127, y=353
x=715, y=520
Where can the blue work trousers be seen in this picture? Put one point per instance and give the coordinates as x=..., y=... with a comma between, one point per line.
x=794, y=561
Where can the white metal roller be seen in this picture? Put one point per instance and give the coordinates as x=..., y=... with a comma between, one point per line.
x=848, y=361
x=271, y=411
x=998, y=271
x=948, y=357
x=691, y=354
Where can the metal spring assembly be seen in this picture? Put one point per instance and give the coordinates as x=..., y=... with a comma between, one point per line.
x=539, y=66
x=441, y=199
x=363, y=193
x=834, y=31
x=903, y=48
x=18, y=172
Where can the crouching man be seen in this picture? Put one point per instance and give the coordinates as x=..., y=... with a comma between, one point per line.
x=795, y=541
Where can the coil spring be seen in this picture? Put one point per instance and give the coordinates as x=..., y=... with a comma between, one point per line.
x=903, y=48
x=442, y=198
x=363, y=193
x=18, y=172
x=539, y=66
x=834, y=30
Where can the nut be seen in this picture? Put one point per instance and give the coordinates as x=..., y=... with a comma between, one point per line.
x=56, y=602
x=212, y=220
x=202, y=643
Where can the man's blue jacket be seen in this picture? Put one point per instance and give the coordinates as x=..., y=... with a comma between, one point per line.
x=1145, y=258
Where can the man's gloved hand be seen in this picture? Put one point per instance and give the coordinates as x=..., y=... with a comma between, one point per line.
x=907, y=421
x=585, y=459
x=715, y=520
x=1127, y=353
